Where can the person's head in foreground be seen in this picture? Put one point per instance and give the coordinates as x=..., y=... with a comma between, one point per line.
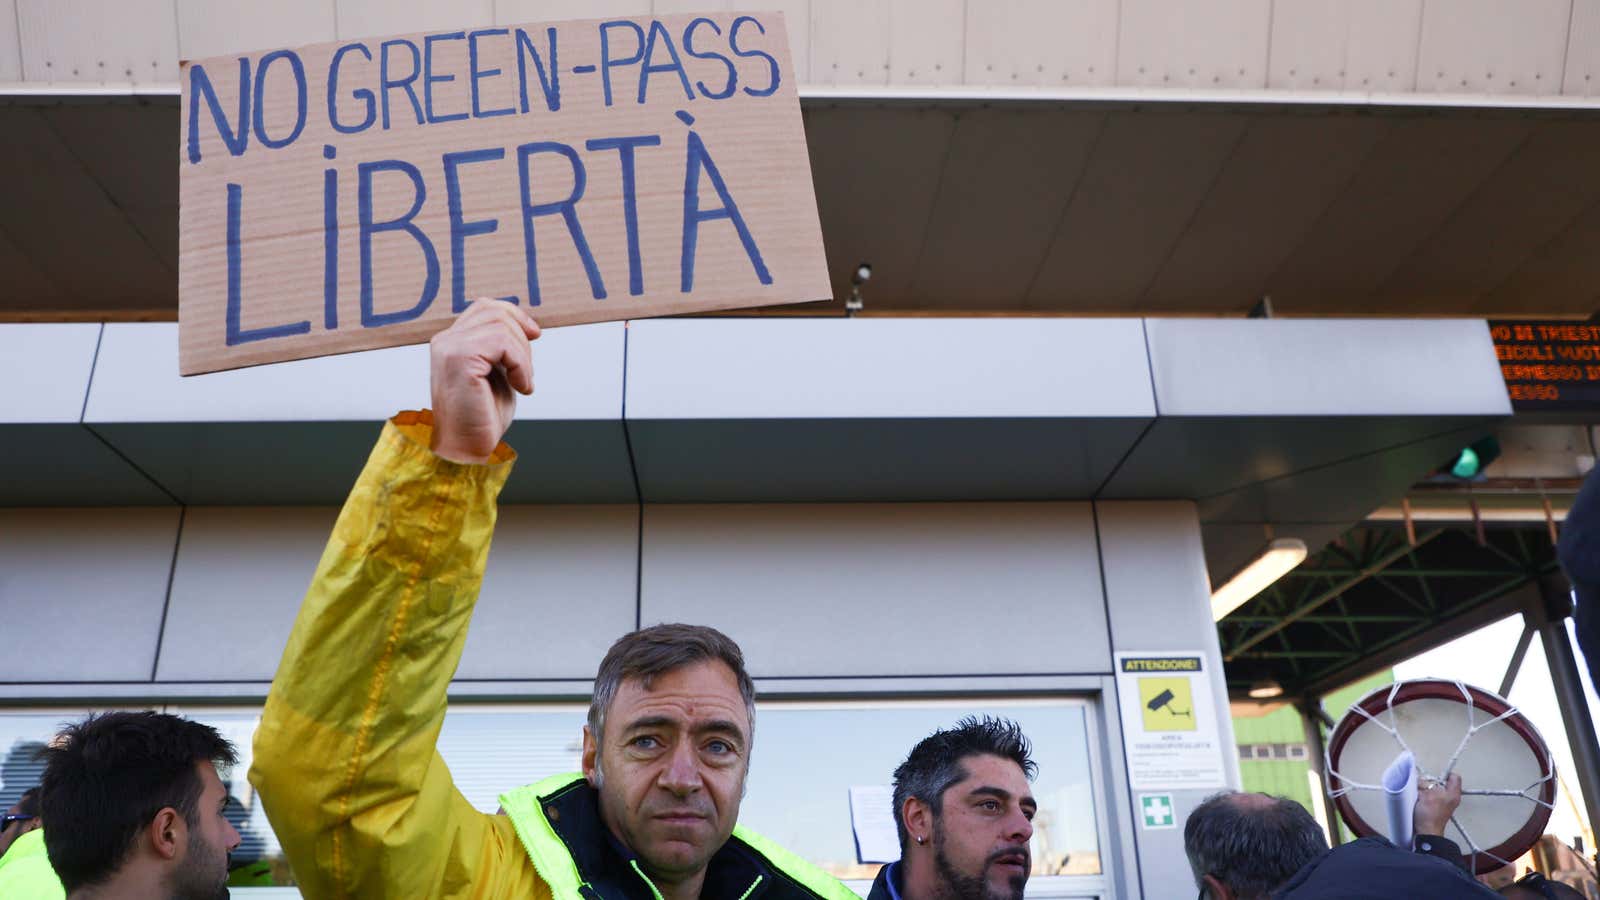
x=21, y=818
x=1244, y=846
x=1534, y=886
x=964, y=809
x=134, y=807
x=667, y=745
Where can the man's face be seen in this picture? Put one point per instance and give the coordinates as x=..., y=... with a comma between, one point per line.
x=672, y=765
x=11, y=832
x=202, y=871
x=980, y=838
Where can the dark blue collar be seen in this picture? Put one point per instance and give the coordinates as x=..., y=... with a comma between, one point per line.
x=892, y=878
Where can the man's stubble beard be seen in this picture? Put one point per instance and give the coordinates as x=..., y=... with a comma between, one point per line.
x=958, y=886
x=204, y=875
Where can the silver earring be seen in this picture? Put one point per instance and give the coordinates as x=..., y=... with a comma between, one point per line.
x=921, y=839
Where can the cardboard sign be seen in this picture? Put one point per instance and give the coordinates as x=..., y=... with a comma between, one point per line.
x=355, y=195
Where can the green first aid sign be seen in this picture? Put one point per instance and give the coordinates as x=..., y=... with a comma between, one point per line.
x=1156, y=811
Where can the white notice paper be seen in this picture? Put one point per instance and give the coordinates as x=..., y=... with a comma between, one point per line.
x=872, y=820
x=1400, y=797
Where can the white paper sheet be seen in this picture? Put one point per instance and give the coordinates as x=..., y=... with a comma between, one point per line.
x=1400, y=797
x=872, y=820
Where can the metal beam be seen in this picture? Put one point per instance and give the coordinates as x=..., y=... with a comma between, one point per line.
x=1294, y=654
x=1552, y=625
x=1405, y=573
x=1457, y=623
x=1362, y=574
x=1516, y=659
x=1424, y=627
x=1311, y=716
x=1361, y=618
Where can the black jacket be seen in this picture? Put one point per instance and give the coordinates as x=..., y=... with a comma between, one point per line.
x=1371, y=868
x=610, y=872
x=880, y=887
x=1580, y=559
x=1580, y=537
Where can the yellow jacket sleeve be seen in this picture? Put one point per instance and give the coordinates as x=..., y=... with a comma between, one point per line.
x=344, y=759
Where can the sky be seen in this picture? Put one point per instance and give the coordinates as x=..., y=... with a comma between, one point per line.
x=1480, y=659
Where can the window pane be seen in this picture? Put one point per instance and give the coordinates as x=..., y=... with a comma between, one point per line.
x=807, y=756
x=489, y=750
x=22, y=736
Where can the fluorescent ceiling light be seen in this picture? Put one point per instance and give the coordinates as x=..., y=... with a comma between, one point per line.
x=1281, y=556
x=1266, y=689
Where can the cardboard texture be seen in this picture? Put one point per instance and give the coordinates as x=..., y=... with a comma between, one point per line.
x=354, y=195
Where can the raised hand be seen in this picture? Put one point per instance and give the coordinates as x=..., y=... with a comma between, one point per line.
x=476, y=365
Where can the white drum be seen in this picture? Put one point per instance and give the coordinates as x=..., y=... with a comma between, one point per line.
x=1507, y=776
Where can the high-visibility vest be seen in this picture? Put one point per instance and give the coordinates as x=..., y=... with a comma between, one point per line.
x=788, y=877
x=25, y=872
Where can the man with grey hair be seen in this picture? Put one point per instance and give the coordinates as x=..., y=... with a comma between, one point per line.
x=1249, y=846
x=1245, y=846
x=346, y=762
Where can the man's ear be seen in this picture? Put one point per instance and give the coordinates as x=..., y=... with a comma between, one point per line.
x=1216, y=890
x=591, y=758
x=918, y=819
x=168, y=833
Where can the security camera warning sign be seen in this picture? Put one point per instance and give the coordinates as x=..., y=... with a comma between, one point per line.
x=1168, y=704
x=1169, y=721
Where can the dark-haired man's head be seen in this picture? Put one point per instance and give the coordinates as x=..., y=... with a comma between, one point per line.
x=21, y=818
x=1244, y=846
x=134, y=807
x=1534, y=886
x=965, y=809
x=667, y=746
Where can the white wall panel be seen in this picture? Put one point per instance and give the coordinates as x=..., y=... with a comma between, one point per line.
x=517, y=12
x=883, y=589
x=10, y=42
x=561, y=586
x=577, y=375
x=1354, y=45
x=926, y=39
x=1287, y=367
x=1582, y=76
x=81, y=592
x=863, y=368
x=1308, y=42
x=116, y=41
x=374, y=18
x=218, y=27
x=1197, y=44
x=237, y=585
x=1493, y=46
x=796, y=20
x=1042, y=42
x=1159, y=600
x=1381, y=44
x=850, y=42
x=45, y=368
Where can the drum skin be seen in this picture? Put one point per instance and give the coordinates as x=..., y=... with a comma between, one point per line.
x=1432, y=717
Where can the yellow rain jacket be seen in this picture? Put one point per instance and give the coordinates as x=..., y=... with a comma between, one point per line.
x=345, y=757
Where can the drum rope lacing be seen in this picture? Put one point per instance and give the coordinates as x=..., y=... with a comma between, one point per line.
x=1528, y=793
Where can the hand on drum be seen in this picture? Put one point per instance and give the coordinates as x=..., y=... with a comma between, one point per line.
x=1435, y=805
